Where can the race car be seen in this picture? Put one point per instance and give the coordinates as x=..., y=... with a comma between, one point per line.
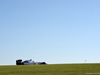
x=28, y=62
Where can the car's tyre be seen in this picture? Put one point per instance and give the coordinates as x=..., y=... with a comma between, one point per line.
x=18, y=62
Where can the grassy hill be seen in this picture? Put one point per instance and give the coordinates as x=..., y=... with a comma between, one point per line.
x=57, y=69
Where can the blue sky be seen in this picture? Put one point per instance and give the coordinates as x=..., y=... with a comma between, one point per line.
x=54, y=31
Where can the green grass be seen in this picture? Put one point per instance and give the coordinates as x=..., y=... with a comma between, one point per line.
x=58, y=69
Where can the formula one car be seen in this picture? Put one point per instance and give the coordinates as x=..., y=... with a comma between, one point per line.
x=28, y=62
